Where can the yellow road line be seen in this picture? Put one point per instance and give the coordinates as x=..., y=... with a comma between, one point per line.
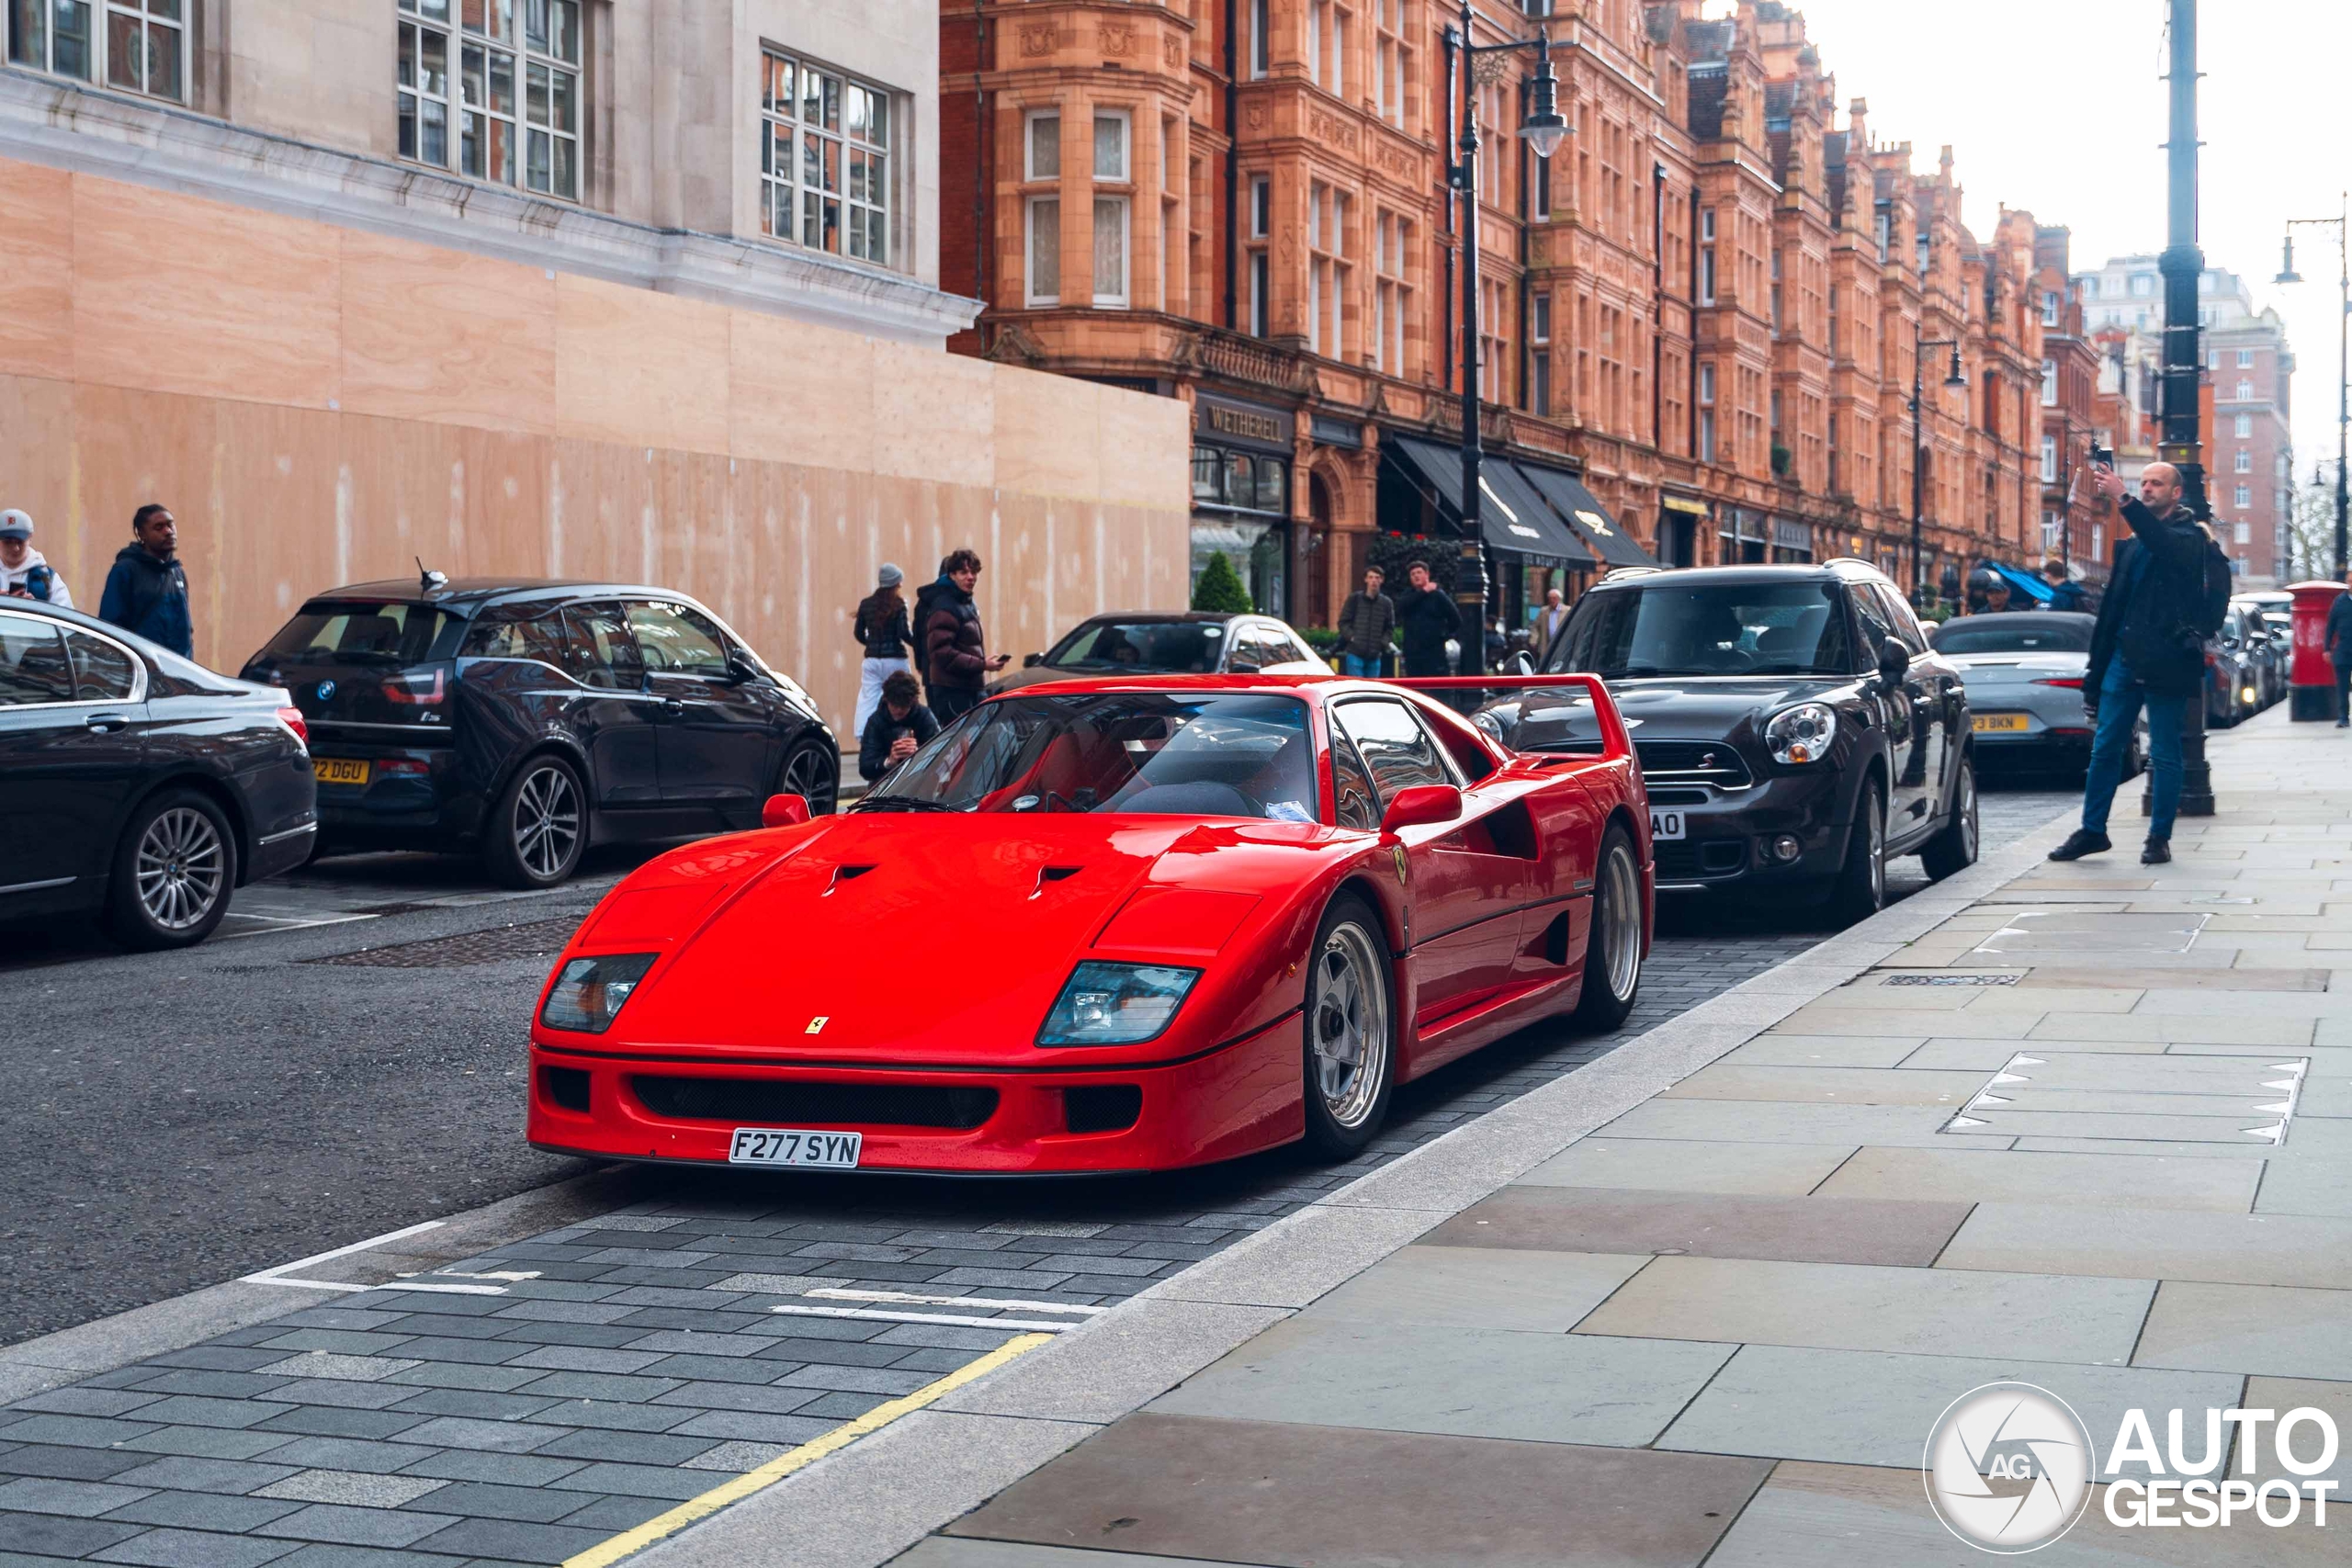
x=606, y=1553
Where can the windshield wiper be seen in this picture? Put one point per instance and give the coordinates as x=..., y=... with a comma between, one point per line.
x=903, y=802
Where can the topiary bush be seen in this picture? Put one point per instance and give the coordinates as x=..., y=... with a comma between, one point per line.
x=1220, y=588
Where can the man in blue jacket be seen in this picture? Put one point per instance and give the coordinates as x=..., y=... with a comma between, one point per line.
x=146, y=591
x=2339, y=652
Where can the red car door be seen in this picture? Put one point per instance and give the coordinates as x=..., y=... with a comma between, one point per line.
x=1463, y=889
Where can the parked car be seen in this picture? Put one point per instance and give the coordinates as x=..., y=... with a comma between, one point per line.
x=136, y=784
x=1794, y=727
x=527, y=720
x=1194, y=642
x=2233, y=659
x=1219, y=916
x=2269, y=640
x=2024, y=673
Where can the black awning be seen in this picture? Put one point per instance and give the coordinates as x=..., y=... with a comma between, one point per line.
x=1512, y=514
x=1588, y=518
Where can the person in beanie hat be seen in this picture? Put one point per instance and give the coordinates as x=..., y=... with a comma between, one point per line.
x=881, y=628
x=25, y=573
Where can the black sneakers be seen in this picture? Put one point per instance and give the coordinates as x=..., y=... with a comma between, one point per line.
x=2157, y=852
x=2080, y=843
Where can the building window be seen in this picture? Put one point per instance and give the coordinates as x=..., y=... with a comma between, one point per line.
x=2050, y=383
x=135, y=46
x=1539, y=337
x=1042, y=223
x=2049, y=459
x=1261, y=295
x=2244, y=462
x=1392, y=60
x=825, y=160
x=1540, y=190
x=2244, y=425
x=2245, y=359
x=1261, y=37
x=2050, y=303
x=1262, y=207
x=1391, y=296
x=2140, y=285
x=1112, y=165
x=2245, y=533
x=513, y=115
x=1328, y=26
x=1885, y=235
x=1327, y=269
x=1706, y=413
x=2246, y=495
x=2245, y=391
x=1707, y=275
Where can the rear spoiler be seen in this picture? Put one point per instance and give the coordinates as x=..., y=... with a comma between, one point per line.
x=1617, y=743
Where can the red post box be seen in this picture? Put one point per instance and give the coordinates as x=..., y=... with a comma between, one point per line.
x=2311, y=692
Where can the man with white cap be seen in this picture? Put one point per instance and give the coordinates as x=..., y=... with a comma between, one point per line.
x=25, y=573
x=881, y=628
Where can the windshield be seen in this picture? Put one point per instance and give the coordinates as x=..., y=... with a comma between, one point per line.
x=345, y=632
x=2044, y=633
x=1719, y=628
x=1160, y=647
x=1154, y=753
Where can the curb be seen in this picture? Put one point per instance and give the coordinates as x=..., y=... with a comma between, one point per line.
x=862, y=1506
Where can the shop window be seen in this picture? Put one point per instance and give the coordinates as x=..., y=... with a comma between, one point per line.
x=133, y=46
x=825, y=161
x=493, y=93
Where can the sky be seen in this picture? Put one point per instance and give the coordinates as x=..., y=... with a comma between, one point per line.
x=2058, y=107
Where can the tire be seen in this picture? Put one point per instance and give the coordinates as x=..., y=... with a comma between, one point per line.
x=811, y=771
x=1954, y=849
x=1350, y=1012
x=175, y=871
x=538, y=830
x=1860, y=889
x=1613, y=958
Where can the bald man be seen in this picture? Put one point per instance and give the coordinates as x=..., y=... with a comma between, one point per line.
x=2145, y=652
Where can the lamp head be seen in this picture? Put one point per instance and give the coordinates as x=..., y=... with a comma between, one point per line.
x=1956, y=378
x=2287, y=272
x=1543, y=128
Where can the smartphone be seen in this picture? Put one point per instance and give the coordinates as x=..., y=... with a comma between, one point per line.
x=2102, y=457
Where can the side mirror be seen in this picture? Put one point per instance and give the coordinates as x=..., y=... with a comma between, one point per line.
x=1421, y=805
x=1894, y=662
x=1522, y=663
x=784, y=811
x=1031, y=660
x=740, y=669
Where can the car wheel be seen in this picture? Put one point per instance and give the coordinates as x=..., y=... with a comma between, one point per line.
x=1954, y=849
x=1350, y=1045
x=173, y=872
x=540, y=828
x=810, y=772
x=1613, y=958
x=1859, y=890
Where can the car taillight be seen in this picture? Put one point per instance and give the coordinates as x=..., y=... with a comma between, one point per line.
x=404, y=766
x=403, y=689
x=2072, y=682
x=292, y=719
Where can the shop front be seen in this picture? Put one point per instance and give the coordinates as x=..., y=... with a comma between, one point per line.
x=1743, y=538
x=1681, y=523
x=1531, y=547
x=1791, y=541
x=1241, y=490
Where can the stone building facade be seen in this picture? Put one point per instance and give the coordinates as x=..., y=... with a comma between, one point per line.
x=533, y=286
x=1698, y=313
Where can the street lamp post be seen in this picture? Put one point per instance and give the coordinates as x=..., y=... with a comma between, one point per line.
x=1543, y=127
x=2286, y=274
x=1955, y=377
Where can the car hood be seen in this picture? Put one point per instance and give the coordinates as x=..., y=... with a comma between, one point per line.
x=938, y=938
x=1723, y=708
x=1992, y=669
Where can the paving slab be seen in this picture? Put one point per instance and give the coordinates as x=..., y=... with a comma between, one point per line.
x=1961, y=1176
x=2073, y=1237
x=1470, y=1382
x=953, y=1551
x=2285, y=1394
x=1811, y=1230
x=1778, y=1050
x=1481, y=1287
x=1865, y=1408
x=1827, y=1086
x=2265, y=1329
x=2122, y=1128
x=1331, y=1497
x=1848, y=1306
x=1722, y=1121
x=2250, y=1026
x=1668, y=1164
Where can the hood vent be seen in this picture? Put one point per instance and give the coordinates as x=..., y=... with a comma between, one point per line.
x=1050, y=875
x=846, y=873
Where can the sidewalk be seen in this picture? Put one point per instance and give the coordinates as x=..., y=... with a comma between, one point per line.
x=2084, y=1126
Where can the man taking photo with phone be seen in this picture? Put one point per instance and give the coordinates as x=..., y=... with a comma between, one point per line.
x=2147, y=649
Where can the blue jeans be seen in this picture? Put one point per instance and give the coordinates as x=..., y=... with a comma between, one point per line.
x=2120, y=700
x=1350, y=665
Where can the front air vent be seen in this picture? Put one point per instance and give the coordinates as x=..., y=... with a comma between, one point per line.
x=793, y=1102
x=1714, y=762
x=1102, y=1108
x=1050, y=875
x=846, y=873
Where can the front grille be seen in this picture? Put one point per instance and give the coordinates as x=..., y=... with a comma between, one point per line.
x=796, y=1104
x=565, y=1088
x=1699, y=859
x=1679, y=796
x=1717, y=762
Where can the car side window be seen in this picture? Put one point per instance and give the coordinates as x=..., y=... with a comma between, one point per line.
x=1359, y=803
x=539, y=638
x=1875, y=629
x=1898, y=614
x=599, y=650
x=33, y=668
x=1397, y=750
x=673, y=643
x=103, y=672
x=1297, y=652
x=1250, y=652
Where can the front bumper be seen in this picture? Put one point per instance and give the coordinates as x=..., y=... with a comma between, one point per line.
x=1728, y=836
x=1230, y=1101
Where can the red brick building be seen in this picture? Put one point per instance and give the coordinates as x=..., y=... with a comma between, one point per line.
x=1696, y=319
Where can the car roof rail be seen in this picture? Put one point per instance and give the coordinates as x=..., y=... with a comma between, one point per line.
x=1618, y=574
x=1850, y=560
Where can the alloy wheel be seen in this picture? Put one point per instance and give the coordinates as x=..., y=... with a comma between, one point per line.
x=1348, y=1024
x=1877, y=815
x=1620, y=933
x=546, y=822
x=1968, y=822
x=806, y=775
x=181, y=868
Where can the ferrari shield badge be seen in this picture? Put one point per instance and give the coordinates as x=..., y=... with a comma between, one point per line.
x=817, y=1025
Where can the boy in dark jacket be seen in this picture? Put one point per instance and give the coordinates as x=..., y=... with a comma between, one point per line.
x=2144, y=649
x=899, y=727
x=1365, y=625
x=1429, y=619
x=146, y=592
x=955, y=656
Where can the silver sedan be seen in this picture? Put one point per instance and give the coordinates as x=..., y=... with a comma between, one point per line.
x=2024, y=671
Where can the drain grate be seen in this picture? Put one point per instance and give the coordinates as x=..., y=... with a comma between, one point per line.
x=538, y=939
x=1952, y=979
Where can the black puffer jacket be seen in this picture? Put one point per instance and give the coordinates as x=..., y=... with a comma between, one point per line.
x=954, y=655
x=884, y=635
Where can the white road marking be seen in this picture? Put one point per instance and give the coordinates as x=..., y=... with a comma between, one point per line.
x=957, y=1319
x=272, y=1275
x=901, y=1296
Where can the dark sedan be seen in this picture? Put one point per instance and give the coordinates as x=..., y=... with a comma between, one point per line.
x=136, y=784
x=526, y=720
x=1794, y=728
